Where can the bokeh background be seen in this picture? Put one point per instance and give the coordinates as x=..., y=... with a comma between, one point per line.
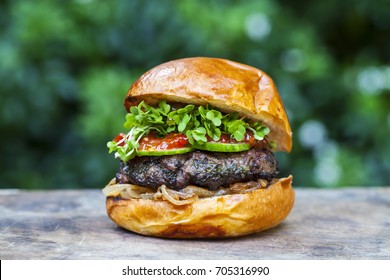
x=65, y=67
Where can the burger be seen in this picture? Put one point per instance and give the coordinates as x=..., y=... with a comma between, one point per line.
x=197, y=157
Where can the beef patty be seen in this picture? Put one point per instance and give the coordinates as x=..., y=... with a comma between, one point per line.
x=200, y=168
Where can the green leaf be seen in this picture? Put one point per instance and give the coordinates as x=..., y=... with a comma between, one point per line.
x=164, y=107
x=215, y=117
x=185, y=109
x=199, y=135
x=183, y=123
x=189, y=136
x=239, y=134
x=134, y=110
x=217, y=134
x=260, y=131
x=202, y=111
x=112, y=146
x=171, y=129
x=196, y=122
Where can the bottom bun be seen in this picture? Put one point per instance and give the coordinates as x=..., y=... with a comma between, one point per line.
x=212, y=217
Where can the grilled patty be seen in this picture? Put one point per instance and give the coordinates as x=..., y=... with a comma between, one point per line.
x=203, y=169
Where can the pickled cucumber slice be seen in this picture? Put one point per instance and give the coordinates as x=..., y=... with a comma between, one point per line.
x=223, y=147
x=165, y=152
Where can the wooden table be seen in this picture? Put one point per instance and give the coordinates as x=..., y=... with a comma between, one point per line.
x=351, y=223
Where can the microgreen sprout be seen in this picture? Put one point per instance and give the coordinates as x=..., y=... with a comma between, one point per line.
x=196, y=122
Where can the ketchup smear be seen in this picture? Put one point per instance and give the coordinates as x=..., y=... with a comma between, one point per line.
x=168, y=142
x=180, y=140
x=118, y=138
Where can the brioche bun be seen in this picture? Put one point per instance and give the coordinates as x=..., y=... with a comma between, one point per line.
x=213, y=217
x=230, y=87
x=227, y=85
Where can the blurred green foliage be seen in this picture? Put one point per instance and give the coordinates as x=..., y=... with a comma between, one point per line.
x=65, y=67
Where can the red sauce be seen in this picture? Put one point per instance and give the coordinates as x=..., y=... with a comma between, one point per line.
x=118, y=138
x=170, y=141
x=180, y=140
x=250, y=139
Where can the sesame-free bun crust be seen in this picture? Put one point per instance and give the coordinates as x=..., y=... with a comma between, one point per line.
x=227, y=85
x=213, y=217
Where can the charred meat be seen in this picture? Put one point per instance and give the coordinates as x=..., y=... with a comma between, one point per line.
x=203, y=169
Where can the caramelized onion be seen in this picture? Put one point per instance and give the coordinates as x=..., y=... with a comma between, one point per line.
x=169, y=195
x=125, y=190
x=187, y=195
x=200, y=192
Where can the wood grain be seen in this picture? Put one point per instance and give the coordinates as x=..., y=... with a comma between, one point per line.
x=350, y=223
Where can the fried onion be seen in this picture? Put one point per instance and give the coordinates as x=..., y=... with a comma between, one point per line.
x=187, y=195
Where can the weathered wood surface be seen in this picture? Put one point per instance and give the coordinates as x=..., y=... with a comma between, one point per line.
x=324, y=224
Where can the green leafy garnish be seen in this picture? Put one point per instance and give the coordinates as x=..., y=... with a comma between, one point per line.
x=196, y=122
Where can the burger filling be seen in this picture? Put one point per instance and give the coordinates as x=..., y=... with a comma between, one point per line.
x=208, y=170
x=179, y=153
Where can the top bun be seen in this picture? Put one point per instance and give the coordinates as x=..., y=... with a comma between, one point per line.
x=224, y=84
